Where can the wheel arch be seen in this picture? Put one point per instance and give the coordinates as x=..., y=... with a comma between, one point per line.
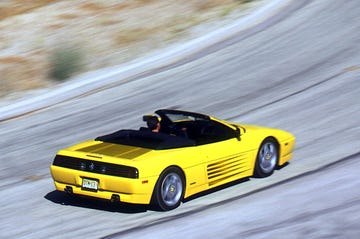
x=176, y=167
x=183, y=175
x=258, y=168
x=276, y=141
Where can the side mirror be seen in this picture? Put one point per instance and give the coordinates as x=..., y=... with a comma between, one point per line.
x=238, y=133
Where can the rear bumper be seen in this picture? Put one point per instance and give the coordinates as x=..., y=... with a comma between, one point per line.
x=127, y=198
x=137, y=191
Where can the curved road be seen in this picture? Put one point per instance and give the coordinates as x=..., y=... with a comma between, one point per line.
x=329, y=208
x=299, y=71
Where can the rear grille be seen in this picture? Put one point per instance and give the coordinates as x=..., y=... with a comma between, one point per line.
x=96, y=167
x=226, y=168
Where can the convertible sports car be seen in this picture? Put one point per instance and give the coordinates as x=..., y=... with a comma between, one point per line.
x=178, y=155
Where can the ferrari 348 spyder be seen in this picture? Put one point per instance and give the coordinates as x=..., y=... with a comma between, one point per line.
x=178, y=155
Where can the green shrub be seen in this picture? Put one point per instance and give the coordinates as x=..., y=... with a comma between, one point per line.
x=65, y=61
x=244, y=1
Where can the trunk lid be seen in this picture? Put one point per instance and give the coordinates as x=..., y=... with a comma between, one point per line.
x=97, y=148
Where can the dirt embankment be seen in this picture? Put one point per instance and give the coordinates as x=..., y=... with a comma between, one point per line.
x=45, y=40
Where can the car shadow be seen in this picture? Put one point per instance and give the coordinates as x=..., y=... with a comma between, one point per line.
x=65, y=199
x=216, y=189
x=282, y=166
x=276, y=169
x=227, y=185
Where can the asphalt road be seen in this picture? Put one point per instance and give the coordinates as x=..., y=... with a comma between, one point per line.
x=299, y=71
x=275, y=212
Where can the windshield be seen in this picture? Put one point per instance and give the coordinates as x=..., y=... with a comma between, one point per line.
x=180, y=117
x=172, y=116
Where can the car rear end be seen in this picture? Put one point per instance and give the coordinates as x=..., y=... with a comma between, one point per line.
x=100, y=176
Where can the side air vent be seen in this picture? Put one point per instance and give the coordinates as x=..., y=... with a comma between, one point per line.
x=226, y=168
x=96, y=166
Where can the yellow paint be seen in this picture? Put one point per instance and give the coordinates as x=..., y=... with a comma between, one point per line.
x=204, y=167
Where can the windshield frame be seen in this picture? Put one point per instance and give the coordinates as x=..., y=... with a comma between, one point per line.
x=172, y=116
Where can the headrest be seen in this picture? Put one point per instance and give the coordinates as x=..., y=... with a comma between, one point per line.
x=147, y=118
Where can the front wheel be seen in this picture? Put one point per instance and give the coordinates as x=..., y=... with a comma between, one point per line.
x=169, y=189
x=267, y=158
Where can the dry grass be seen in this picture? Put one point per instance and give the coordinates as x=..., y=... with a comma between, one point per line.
x=55, y=26
x=121, y=6
x=27, y=76
x=68, y=16
x=109, y=32
x=91, y=6
x=10, y=8
x=205, y=5
x=131, y=36
x=13, y=60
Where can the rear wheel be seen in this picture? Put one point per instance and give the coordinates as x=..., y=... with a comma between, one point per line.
x=267, y=158
x=169, y=189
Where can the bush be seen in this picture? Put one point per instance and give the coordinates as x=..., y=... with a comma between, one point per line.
x=244, y=1
x=65, y=61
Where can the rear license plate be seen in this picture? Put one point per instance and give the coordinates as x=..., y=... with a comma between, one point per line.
x=90, y=184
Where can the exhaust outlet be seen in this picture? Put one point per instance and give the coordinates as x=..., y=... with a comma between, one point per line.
x=68, y=190
x=115, y=198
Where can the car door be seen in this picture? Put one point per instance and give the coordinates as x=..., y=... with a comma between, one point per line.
x=226, y=161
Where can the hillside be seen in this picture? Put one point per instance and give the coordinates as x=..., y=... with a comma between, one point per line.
x=43, y=42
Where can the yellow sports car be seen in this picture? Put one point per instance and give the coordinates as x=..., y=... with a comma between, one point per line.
x=177, y=155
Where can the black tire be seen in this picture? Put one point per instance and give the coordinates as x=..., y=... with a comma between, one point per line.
x=169, y=189
x=267, y=158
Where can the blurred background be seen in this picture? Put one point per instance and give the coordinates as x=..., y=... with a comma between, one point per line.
x=44, y=42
